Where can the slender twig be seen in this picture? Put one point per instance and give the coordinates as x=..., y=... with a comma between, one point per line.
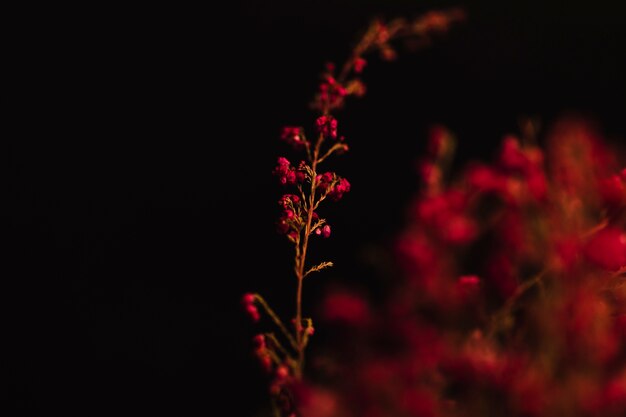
x=276, y=320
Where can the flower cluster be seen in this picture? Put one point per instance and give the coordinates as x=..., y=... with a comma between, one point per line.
x=298, y=211
x=339, y=83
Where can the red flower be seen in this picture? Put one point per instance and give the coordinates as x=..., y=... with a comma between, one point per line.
x=359, y=64
x=288, y=200
x=253, y=312
x=285, y=172
x=324, y=231
x=342, y=187
x=324, y=181
x=294, y=136
x=327, y=126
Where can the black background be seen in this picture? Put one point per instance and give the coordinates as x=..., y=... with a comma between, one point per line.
x=141, y=204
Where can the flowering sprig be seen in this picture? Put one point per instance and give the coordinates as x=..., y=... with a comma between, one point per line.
x=299, y=219
x=381, y=38
x=308, y=186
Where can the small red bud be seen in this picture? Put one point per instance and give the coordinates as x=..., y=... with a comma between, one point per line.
x=266, y=363
x=282, y=372
x=359, y=64
x=298, y=326
x=253, y=312
x=248, y=298
x=259, y=341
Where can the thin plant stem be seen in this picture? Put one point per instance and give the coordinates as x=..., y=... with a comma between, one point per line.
x=276, y=320
x=301, y=259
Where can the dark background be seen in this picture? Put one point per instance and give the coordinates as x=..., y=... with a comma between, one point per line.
x=141, y=204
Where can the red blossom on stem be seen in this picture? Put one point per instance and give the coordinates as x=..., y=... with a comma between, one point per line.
x=327, y=126
x=251, y=309
x=285, y=172
x=294, y=136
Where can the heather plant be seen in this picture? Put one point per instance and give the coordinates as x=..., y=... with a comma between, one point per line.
x=510, y=298
x=307, y=186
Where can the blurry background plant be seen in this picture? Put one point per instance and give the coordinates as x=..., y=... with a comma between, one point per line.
x=512, y=297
